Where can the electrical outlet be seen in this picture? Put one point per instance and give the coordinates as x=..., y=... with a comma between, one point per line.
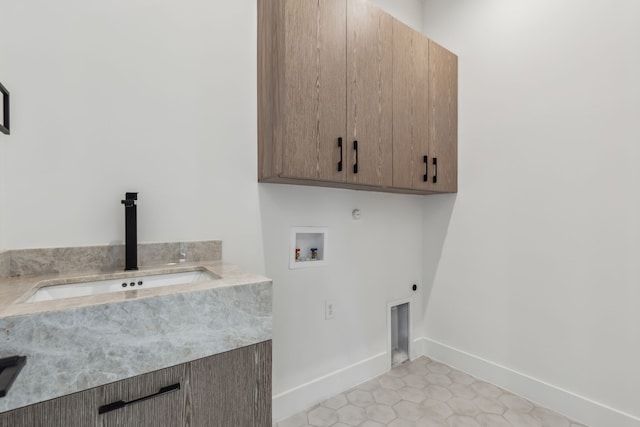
x=329, y=309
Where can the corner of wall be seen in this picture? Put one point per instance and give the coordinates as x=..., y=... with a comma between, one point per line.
x=579, y=408
x=306, y=395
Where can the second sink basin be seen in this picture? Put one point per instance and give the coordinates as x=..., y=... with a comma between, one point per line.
x=121, y=283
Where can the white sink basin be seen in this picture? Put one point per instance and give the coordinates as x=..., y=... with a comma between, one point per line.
x=119, y=284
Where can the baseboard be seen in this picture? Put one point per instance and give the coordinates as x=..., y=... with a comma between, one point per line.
x=306, y=395
x=579, y=408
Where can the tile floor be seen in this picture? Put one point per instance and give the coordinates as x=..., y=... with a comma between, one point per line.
x=425, y=393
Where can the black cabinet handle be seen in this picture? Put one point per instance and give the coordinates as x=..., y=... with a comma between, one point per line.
x=121, y=403
x=355, y=165
x=425, y=178
x=340, y=162
x=4, y=126
x=435, y=170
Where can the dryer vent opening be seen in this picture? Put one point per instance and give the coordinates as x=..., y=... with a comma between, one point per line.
x=399, y=333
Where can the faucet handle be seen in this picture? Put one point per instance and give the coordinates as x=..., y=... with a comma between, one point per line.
x=183, y=253
x=130, y=199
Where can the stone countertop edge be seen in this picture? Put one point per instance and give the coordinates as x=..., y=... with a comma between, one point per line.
x=15, y=290
x=79, y=343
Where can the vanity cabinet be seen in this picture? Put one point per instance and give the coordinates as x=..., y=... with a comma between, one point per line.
x=227, y=389
x=231, y=389
x=74, y=410
x=347, y=98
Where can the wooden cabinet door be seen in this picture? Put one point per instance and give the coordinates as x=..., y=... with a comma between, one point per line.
x=263, y=417
x=152, y=408
x=227, y=389
x=314, y=105
x=232, y=389
x=369, y=94
x=443, y=119
x=410, y=107
x=74, y=410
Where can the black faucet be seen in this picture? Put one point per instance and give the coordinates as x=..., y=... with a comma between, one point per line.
x=131, y=231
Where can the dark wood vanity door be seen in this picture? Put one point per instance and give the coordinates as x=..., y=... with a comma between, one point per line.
x=150, y=406
x=74, y=410
x=225, y=390
x=231, y=389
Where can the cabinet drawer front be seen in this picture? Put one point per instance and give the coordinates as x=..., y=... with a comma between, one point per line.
x=146, y=400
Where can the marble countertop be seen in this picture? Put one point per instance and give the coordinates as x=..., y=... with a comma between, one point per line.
x=74, y=344
x=15, y=291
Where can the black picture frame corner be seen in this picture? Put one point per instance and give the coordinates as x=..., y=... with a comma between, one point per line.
x=5, y=125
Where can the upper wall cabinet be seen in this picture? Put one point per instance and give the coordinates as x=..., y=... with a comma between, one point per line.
x=443, y=119
x=346, y=96
x=410, y=109
x=370, y=91
x=302, y=89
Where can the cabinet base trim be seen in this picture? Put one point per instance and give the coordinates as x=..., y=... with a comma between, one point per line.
x=344, y=185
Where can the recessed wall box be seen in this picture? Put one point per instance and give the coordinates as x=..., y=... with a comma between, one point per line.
x=399, y=329
x=311, y=243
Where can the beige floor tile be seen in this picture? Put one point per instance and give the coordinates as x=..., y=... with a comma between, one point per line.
x=519, y=419
x=462, y=421
x=438, y=392
x=322, y=417
x=360, y=398
x=549, y=418
x=463, y=406
x=351, y=415
x=335, y=402
x=460, y=377
x=412, y=394
x=486, y=389
x=492, y=420
x=439, y=379
x=409, y=410
x=298, y=420
x=381, y=413
x=489, y=405
x=516, y=403
x=436, y=410
x=386, y=396
x=438, y=368
x=425, y=393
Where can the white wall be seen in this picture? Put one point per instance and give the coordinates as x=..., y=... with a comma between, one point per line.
x=160, y=98
x=109, y=97
x=372, y=261
x=4, y=139
x=539, y=270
